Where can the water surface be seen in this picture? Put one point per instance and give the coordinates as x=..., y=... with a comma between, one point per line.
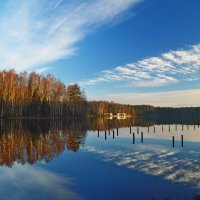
x=99, y=160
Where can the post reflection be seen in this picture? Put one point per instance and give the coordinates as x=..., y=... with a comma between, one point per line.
x=182, y=140
x=143, y=128
x=142, y=137
x=133, y=138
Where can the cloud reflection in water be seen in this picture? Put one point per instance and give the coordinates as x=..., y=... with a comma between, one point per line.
x=172, y=165
x=29, y=182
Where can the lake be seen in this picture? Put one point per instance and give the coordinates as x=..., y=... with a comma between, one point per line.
x=99, y=159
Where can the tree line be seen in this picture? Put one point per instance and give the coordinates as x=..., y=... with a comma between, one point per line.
x=100, y=108
x=34, y=95
x=37, y=96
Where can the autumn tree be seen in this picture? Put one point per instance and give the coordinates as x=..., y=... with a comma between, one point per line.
x=34, y=95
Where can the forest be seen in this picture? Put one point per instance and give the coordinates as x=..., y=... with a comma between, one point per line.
x=32, y=95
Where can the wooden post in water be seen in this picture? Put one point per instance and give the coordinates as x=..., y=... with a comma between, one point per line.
x=113, y=134
x=130, y=129
x=133, y=138
x=105, y=136
x=182, y=140
x=109, y=132
x=138, y=130
x=154, y=129
x=98, y=132
x=117, y=131
x=182, y=127
x=141, y=137
x=169, y=128
x=173, y=141
x=162, y=128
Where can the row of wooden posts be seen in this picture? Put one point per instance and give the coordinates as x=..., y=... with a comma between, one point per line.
x=169, y=128
x=133, y=134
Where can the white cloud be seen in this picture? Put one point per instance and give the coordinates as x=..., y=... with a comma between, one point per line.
x=172, y=98
x=168, y=68
x=34, y=32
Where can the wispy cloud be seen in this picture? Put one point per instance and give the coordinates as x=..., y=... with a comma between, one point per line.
x=168, y=68
x=182, y=98
x=34, y=32
x=41, y=70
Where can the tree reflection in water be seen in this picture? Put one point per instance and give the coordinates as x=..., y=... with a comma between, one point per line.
x=31, y=141
x=41, y=140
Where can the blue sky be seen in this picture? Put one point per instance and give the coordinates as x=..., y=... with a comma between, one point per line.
x=129, y=51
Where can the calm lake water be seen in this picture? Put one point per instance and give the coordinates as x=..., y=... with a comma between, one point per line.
x=58, y=160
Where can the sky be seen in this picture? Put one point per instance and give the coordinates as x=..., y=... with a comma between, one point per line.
x=127, y=51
